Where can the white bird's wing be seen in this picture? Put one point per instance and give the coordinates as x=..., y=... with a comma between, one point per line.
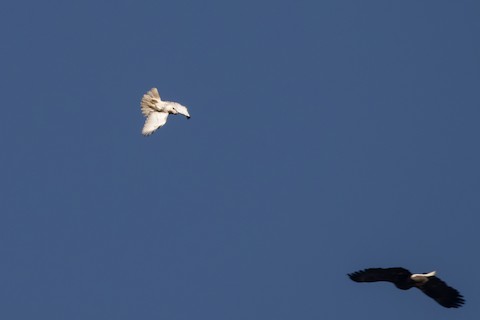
x=149, y=100
x=154, y=121
x=182, y=110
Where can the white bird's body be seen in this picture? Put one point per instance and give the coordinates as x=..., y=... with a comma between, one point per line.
x=157, y=111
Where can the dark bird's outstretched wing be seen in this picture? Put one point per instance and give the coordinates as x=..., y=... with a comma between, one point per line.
x=380, y=274
x=442, y=293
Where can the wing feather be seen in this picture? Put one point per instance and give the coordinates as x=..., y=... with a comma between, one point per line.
x=380, y=274
x=442, y=293
x=154, y=121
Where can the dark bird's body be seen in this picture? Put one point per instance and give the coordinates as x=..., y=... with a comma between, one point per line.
x=403, y=279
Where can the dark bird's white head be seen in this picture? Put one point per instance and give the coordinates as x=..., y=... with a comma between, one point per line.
x=422, y=277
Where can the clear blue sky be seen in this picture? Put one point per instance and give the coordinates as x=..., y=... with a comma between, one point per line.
x=326, y=137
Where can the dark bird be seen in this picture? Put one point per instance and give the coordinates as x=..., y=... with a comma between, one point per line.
x=404, y=279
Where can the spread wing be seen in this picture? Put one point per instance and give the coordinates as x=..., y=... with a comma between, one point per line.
x=149, y=101
x=154, y=121
x=380, y=274
x=442, y=293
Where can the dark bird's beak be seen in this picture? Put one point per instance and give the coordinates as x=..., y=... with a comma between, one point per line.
x=188, y=117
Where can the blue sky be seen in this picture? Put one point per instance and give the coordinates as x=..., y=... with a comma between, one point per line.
x=326, y=137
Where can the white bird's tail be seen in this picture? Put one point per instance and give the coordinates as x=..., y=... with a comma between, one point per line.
x=149, y=100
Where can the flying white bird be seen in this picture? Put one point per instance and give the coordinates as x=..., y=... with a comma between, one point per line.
x=157, y=111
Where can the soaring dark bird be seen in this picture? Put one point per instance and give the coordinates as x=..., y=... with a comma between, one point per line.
x=404, y=279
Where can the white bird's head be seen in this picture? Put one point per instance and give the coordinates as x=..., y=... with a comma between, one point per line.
x=177, y=108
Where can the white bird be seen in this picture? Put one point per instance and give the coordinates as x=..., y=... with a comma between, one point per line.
x=157, y=111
